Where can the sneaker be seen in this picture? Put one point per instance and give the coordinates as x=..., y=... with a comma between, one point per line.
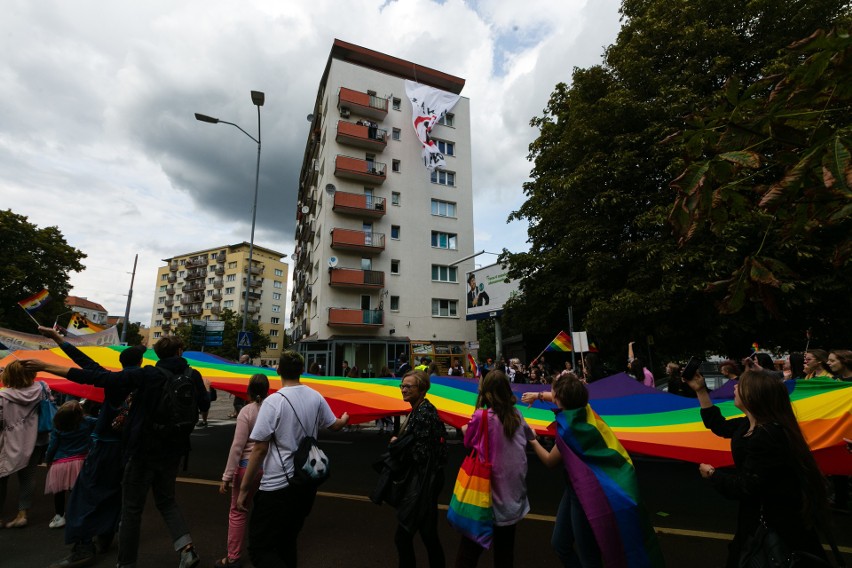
x=57, y=522
x=81, y=555
x=188, y=558
x=202, y=424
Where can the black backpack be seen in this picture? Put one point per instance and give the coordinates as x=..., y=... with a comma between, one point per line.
x=177, y=407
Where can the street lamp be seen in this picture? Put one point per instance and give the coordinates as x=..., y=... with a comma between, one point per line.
x=257, y=99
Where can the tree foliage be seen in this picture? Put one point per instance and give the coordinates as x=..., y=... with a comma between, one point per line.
x=599, y=200
x=34, y=259
x=133, y=335
x=233, y=325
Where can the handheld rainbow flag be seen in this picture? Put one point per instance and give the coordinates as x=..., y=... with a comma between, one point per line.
x=755, y=347
x=473, y=366
x=80, y=325
x=604, y=480
x=561, y=342
x=35, y=302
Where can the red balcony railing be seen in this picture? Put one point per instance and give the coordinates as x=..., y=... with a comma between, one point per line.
x=366, y=171
x=360, y=136
x=352, y=278
x=363, y=104
x=361, y=241
x=359, y=204
x=345, y=317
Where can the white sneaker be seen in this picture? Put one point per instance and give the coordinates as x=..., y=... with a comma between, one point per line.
x=57, y=522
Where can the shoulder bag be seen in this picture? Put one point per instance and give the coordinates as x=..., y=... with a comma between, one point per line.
x=470, y=511
x=46, y=411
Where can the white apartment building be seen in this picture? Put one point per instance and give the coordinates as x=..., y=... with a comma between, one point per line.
x=377, y=234
x=200, y=285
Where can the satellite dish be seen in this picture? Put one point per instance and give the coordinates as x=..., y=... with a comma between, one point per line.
x=305, y=209
x=294, y=256
x=310, y=118
x=332, y=261
x=330, y=189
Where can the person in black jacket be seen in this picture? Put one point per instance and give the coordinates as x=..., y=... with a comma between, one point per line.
x=152, y=458
x=776, y=476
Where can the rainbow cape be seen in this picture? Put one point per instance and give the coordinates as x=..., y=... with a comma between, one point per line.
x=605, y=482
x=645, y=420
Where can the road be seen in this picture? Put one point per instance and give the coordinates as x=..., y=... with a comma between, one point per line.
x=345, y=529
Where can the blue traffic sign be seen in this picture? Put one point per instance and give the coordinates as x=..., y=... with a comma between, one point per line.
x=244, y=340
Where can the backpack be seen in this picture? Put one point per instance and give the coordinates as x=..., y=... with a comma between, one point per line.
x=310, y=464
x=177, y=408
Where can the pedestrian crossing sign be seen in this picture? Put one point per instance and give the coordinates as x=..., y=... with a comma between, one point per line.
x=244, y=340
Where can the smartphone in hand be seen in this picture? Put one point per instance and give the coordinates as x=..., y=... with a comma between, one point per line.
x=691, y=368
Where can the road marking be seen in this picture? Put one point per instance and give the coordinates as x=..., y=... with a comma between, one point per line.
x=530, y=516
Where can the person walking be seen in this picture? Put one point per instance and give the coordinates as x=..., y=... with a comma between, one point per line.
x=286, y=417
x=235, y=469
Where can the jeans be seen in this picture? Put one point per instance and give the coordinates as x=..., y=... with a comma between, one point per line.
x=237, y=520
x=572, y=527
x=277, y=517
x=140, y=475
x=503, y=544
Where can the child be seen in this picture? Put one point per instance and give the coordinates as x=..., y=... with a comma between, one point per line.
x=600, y=510
x=69, y=444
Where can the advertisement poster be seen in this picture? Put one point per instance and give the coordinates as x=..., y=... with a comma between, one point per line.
x=488, y=289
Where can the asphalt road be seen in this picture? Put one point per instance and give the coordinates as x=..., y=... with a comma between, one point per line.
x=345, y=529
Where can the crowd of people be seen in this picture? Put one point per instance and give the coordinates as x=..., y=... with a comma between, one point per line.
x=110, y=462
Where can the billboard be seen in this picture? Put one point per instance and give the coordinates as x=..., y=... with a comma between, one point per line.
x=487, y=291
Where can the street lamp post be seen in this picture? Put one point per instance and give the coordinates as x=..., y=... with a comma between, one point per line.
x=257, y=98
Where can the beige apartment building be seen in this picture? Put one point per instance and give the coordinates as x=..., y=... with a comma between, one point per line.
x=378, y=235
x=200, y=285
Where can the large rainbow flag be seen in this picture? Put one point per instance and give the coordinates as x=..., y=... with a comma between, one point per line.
x=645, y=420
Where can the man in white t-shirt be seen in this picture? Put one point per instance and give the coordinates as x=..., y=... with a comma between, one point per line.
x=280, y=507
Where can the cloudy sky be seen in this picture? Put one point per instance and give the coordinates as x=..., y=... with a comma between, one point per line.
x=97, y=134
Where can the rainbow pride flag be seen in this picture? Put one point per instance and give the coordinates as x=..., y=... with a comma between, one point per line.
x=35, y=302
x=473, y=366
x=755, y=347
x=561, y=342
x=605, y=482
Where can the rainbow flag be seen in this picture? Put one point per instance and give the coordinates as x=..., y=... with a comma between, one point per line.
x=35, y=302
x=604, y=480
x=80, y=325
x=473, y=366
x=561, y=342
x=755, y=347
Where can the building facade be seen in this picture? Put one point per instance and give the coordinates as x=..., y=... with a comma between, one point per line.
x=201, y=285
x=93, y=311
x=378, y=235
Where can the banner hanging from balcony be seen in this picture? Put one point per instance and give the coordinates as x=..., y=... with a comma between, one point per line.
x=428, y=106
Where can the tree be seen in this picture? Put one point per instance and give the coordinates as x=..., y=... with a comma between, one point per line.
x=233, y=324
x=133, y=335
x=599, y=198
x=35, y=259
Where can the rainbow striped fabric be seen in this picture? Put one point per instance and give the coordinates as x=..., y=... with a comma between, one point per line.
x=35, y=302
x=561, y=342
x=645, y=420
x=473, y=366
x=470, y=510
x=605, y=482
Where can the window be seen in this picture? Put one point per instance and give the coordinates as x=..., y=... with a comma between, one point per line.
x=395, y=198
x=211, y=268
x=157, y=335
x=394, y=266
x=397, y=104
x=230, y=290
x=441, y=273
x=396, y=133
x=273, y=345
x=276, y=296
x=208, y=305
x=158, y=323
x=444, y=308
x=395, y=232
x=231, y=278
x=448, y=119
x=276, y=284
x=159, y=311
x=444, y=240
x=279, y=272
x=228, y=304
x=443, y=178
x=163, y=288
x=446, y=148
x=394, y=303
x=276, y=308
x=209, y=293
x=274, y=320
x=273, y=333
x=211, y=280
x=395, y=165
x=232, y=264
x=182, y=273
x=164, y=277
x=443, y=208
x=161, y=300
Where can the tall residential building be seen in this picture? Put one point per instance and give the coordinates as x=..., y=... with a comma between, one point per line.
x=378, y=234
x=200, y=285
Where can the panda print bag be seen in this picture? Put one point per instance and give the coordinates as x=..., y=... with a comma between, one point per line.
x=311, y=466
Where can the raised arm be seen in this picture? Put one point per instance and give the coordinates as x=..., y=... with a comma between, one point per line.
x=80, y=358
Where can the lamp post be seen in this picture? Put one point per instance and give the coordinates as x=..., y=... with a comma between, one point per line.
x=257, y=98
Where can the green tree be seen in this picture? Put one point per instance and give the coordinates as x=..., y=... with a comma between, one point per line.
x=229, y=350
x=35, y=259
x=599, y=198
x=133, y=335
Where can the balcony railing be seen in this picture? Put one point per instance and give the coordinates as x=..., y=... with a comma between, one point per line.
x=254, y=282
x=220, y=270
x=169, y=303
x=194, y=285
x=199, y=261
x=167, y=314
x=173, y=267
x=254, y=269
x=218, y=283
x=192, y=299
x=195, y=274
x=345, y=317
x=216, y=310
x=170, y=290
x=187, y=312
x=172, y=278
x=251, y=295
x=361, y=136
x=353, y=278
x=359, y=204
x=220, y=258
x=359, y=169
x=216, y=296
x=363, y=104
x=166, y=326
x=362, y=241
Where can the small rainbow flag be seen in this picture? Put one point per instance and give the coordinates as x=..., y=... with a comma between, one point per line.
x=35, y=302
x=604, y=479
x=593, y=348
x=80, y=325
x=755, y=347
x=561, y=342
x=473, y=366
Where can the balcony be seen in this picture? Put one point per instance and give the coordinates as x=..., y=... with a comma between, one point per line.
x=192, y=286
x=166, y=326
x=345, y=317
x=192, y=299
x=352, y=278
x=359, y=204
x=167, y=314
x=361, y=241
x=254, y=282
x=217, y=296
x=218, y=283
x=254, y=269
x=251, y=295
x=172, y=278
x=170, y=290
x=361, y=104
x=357, y=169
x=189, y=312
x=369, y=138
x=173, y=267
x=195, y=274
x=196, y=262
x=216, y=310
x=220, y=258
x=169, y=303
x=307, y=232
x=253, y=309
x=220, y=270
